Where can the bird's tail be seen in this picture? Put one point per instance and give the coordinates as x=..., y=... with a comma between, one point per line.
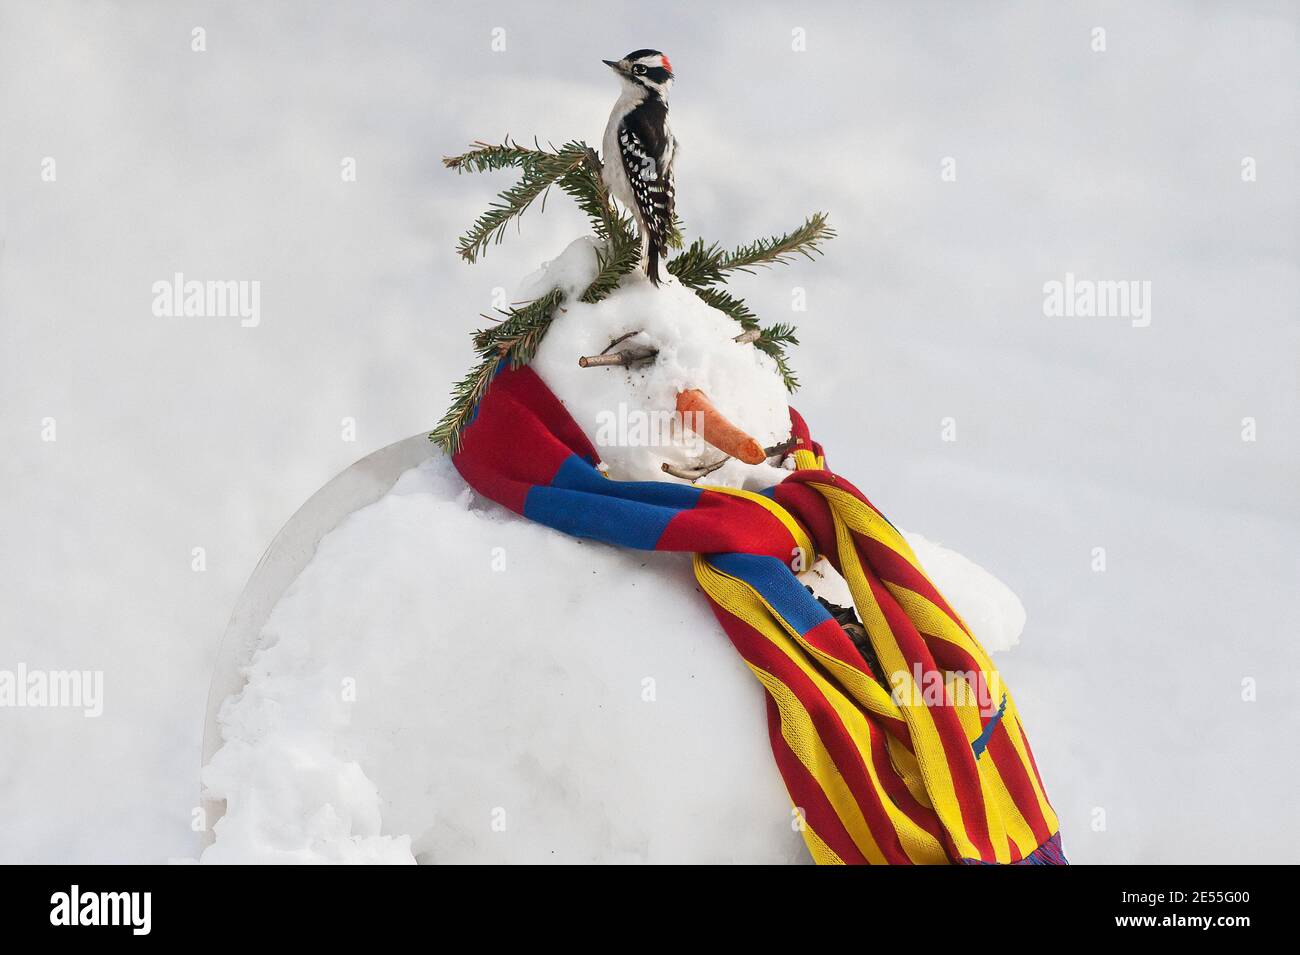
x=652, y=262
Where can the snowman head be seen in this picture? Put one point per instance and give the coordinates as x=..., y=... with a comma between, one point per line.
x=692, y=397
x=643, y=72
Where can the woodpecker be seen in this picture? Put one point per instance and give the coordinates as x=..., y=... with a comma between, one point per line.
x=639, y=148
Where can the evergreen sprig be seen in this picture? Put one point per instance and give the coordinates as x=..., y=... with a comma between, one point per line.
x=703, y=265
x=575, y=168
x=724, y=301
x=773, y=340
x=514, y=339
x=805, y=240
x=541, y=168
x=487, y=157
x=620, y=256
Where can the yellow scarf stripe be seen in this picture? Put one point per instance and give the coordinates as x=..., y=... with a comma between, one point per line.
x=741, y=600
x=926, y=744
x=801, y=736
x=806, y=460
x=906, y=766
x=865, y=520
x=1004, y=818
x=862, y=687
x=932, y=621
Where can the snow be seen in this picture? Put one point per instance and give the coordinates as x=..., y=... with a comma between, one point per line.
x=695, y=350
x=447, y=682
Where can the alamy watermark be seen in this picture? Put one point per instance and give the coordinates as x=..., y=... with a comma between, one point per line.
x=625, y=427
x=1090, y=298
x=128, y=909
x=933, y=688
x=54, y=689
x=215, y=298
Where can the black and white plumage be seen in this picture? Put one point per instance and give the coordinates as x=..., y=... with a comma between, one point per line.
x=639, y=149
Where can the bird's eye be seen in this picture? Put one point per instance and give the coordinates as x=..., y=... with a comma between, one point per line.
x=638, y=69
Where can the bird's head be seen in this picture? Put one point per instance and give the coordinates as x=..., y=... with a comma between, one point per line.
x=644, y=71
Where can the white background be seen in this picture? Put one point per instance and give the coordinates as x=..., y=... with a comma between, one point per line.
x=1072, y=433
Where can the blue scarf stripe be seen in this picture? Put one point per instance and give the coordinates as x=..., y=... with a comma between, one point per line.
x=777, y=584
x=583, y=502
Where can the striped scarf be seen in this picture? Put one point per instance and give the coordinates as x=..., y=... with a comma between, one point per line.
x=908, y=752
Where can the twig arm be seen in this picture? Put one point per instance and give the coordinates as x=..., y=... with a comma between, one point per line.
x=626, y=357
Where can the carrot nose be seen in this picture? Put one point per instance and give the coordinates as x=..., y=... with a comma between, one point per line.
x=716, y=429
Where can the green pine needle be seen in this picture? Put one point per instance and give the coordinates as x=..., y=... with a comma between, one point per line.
x=702, y=265
x=773, y=340
x=805, y=240
x=465, y=397
x=619, y=257
x=726, y=302
x=515, y=339
x=541, y=171
x=485, y=157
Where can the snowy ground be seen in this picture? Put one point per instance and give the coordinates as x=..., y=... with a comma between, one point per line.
x=1071, y=433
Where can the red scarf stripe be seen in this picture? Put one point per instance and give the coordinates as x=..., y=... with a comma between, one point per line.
x=1014, y=776
x=838, y=742
x=952, y=736
x=807, y=794
x=895, y=568
x=814, y=514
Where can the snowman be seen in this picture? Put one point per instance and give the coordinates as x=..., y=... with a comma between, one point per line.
x=448, y=682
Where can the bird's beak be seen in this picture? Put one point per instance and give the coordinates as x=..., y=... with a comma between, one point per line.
x=614, y=65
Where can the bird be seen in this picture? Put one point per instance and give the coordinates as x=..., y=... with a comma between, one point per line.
x=639, y=149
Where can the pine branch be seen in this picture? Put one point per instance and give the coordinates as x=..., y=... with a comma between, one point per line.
x=675, y=234
x=701, y=266
x=724, y=301
x=697, y=267
x=586, y=187
x=515, y=340
x=778, y=333
x=486, y=157
x=805, y=240
x=502, y=339
x=523, y=331
x=773, y=341
x=541, y=171
x=465, y=396
x=621, y=255
x=622, y=252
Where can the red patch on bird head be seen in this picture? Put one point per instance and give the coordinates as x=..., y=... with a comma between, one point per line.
x=667, y=66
